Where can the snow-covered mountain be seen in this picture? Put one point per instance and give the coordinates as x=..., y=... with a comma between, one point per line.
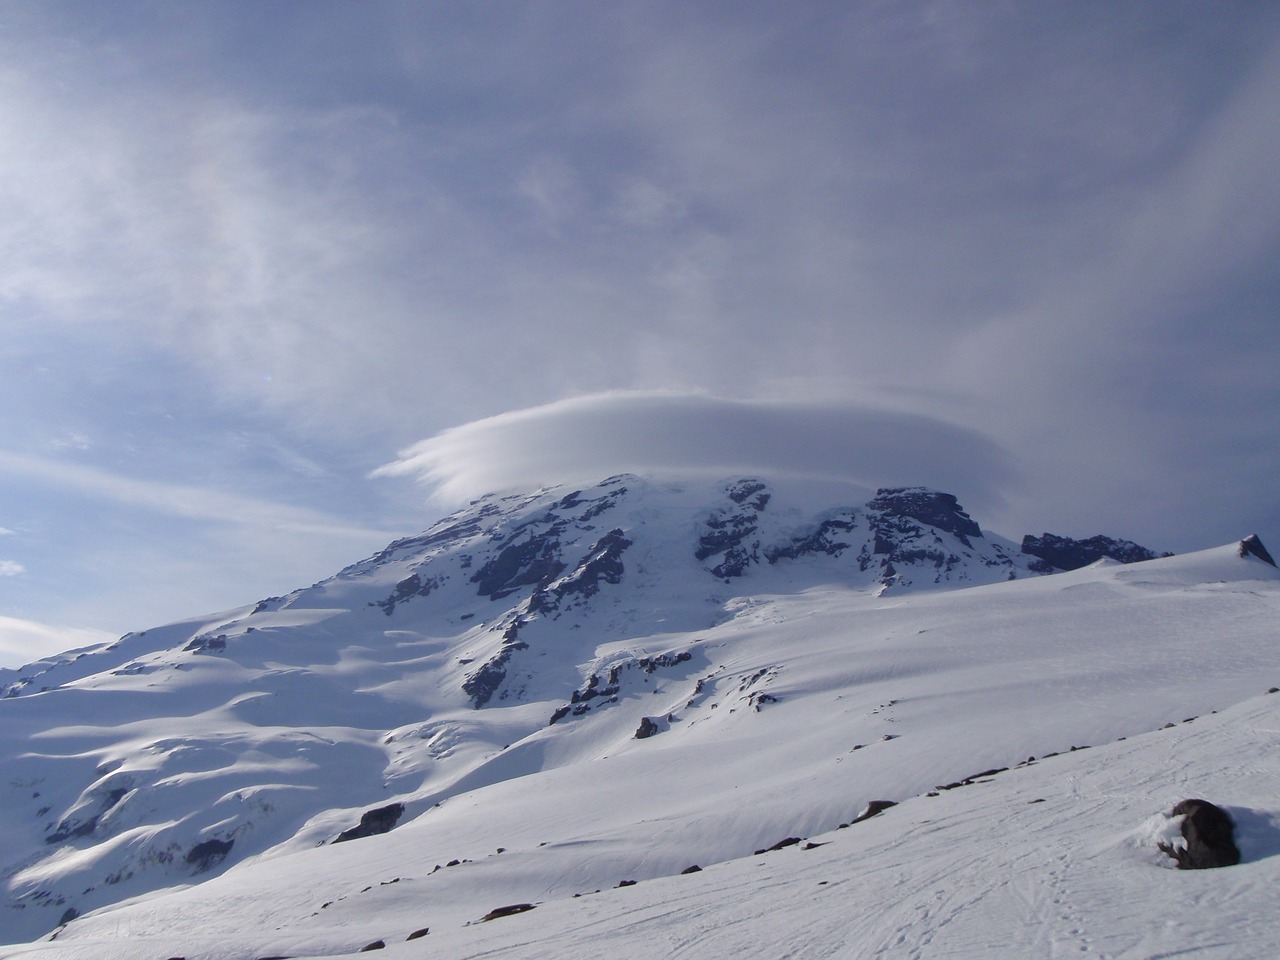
x=551, y=695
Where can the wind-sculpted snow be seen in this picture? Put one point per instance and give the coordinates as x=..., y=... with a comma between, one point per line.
x=563, y=676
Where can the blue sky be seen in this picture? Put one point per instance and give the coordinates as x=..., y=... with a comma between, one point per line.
x=252, y=252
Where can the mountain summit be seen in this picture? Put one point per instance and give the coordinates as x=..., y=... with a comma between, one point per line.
x=584, y=555
x=607, y=683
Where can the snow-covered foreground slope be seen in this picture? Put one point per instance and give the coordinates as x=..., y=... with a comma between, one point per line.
x=786, y=676
x=1055, y=859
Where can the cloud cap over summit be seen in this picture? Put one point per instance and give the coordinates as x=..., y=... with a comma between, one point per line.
x=589, y=437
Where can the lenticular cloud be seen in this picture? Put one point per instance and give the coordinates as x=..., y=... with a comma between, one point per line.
x=590, y=437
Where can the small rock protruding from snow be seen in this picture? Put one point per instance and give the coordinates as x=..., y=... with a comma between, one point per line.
x=781, y=845
x=508, y=911
x=647, y=728
x=873, y=809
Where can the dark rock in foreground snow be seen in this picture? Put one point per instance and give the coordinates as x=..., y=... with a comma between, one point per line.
x=1209, y=835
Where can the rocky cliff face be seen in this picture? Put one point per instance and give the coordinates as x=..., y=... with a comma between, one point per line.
x=1062, y=553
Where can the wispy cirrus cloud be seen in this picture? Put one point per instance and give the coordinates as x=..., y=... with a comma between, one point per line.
x=182, y=500
x=125, y=552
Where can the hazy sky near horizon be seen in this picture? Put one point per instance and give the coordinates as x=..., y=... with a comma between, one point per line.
x=252, y=252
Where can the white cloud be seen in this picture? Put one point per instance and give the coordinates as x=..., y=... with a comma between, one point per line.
x=590, y=437
x=254, y=243
x=70, y=441
x=25, y=641
x=11, y=568
x=1133, y=382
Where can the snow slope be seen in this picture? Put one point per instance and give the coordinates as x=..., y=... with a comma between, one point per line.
x=1056, y=859
x=794, y=662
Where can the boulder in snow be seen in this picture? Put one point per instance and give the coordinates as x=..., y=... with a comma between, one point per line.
x=1207, y=837
x=373, y=822
x=646, y=729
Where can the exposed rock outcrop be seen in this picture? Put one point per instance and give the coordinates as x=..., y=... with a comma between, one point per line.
x=412, y=586
x=508, y=911
x=373, y=822
x=1251, y=546
x=646, y=729
x=831, y=538
x=208, y=854
x=529, y=563
x=873, y=809
x=729, y=532
x=1064, y=553
x=930, y=507
x=602, y=564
